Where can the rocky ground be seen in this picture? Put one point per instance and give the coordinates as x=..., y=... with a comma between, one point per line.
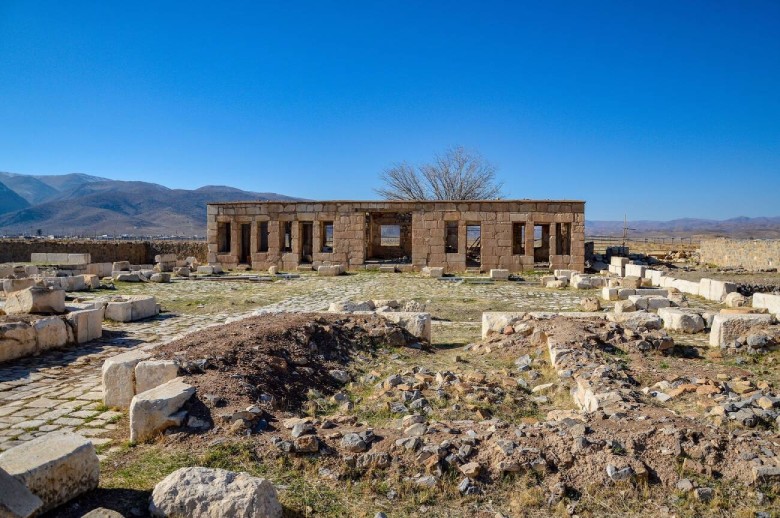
x=351, y=417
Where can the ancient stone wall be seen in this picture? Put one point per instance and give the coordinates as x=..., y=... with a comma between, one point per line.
x=751, y=254
x=355, y=232
x=137, y=252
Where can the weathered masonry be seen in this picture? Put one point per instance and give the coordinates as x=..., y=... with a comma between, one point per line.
x=457, y=235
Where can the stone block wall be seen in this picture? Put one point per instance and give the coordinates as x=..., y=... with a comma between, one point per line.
x=751, y=254
x=355, y=231
x=136, y=252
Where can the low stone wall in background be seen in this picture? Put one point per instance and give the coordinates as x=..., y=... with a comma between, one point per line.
x=136, y=252
x=751, y=254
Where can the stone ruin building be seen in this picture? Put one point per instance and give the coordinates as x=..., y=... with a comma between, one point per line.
x=457, y=235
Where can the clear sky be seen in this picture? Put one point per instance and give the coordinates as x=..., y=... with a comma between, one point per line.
x=655, y=109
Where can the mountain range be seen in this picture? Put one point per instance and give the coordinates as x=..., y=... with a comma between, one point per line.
x=90, y=205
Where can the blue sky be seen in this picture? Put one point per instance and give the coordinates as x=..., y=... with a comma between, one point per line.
x=654, y=109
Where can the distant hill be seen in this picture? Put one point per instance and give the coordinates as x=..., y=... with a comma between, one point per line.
x=742, y=227
x=28, y=187
x=88, y=205
x=10, y=201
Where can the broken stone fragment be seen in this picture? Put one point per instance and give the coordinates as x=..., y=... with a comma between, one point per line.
x=353, y=443
x=155, y=410
x=198, y=492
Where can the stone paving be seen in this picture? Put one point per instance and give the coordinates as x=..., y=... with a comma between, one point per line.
x=61, y=390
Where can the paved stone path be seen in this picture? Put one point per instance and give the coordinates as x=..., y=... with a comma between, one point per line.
x=61, y=390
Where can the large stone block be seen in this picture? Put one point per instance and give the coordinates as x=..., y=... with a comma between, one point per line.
x=682, y=320
x=36, y=300
x=165, y=258
x=50, y=332
x=119, y=378
x=499, y=274
x=17, y=340
x=16, y=501
x=609, y=293
x=635, y=270
x=417, y=324
x=56, y=467
x=152, y=373
x=101, y=269
x=728, y=327
x=131, y=308
x=331, y=270
x=86, y=324
x=433, y=271
x=155, y=410
x=767, y=301
x=618, y=261
x=636, y=319
x=715, y=290
x=649, y=303
x=12, y=285
x=74, y=283
x=198, y=492
x=120, y=266
x=689, y=287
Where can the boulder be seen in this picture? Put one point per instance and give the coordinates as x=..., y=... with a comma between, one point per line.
x=205, y=270
x=198, y=492
x=102, y=512
x=56, y=467
x=590, y=304
x=152, y=373
x=38, y=300
x=183, y=271
x=155, y=410
x=735, y=300
x=726, y=328
x=119, y=378
x=16, y=501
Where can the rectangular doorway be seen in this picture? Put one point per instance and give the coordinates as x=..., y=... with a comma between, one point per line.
x=307, y=241
x=473, y=245
x=541, y=243
x=246, y=240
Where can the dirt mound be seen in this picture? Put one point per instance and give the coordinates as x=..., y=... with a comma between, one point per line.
x=277, y=359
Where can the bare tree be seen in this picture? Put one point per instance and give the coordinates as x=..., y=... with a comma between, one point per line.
x=457, y=174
